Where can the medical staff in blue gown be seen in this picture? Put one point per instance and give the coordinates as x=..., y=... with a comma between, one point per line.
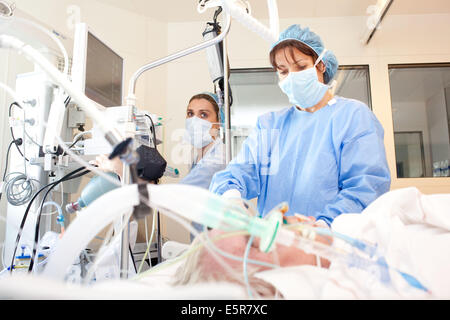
x=324, y=155
x=203, y=121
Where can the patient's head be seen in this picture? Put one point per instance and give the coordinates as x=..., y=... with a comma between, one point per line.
x=203, y=265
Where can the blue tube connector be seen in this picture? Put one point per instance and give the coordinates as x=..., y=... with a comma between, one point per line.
x=97, y=187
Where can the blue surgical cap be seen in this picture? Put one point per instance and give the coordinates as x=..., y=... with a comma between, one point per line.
x=221, y=112
x=312, y=40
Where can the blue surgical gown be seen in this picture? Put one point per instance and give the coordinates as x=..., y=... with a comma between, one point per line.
x=322, y=164
x=201, y=173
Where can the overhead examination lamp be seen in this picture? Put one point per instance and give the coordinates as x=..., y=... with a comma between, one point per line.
x=378, y=14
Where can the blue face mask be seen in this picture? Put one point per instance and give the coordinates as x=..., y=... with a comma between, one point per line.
x=303, y=88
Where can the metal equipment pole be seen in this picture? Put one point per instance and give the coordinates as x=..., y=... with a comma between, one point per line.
x=226, y=104
x=177, y=55
x=125, y=241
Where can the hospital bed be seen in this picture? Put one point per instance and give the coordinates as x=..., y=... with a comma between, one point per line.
x=411, y=229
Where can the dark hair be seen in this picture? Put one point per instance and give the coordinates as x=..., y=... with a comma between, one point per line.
x=291, y=44
x=210, y=100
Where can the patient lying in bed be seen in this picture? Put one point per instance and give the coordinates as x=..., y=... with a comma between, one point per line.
x=411, y=230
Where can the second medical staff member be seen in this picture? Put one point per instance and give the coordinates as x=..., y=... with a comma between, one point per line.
x=203, y=121
x=324, y=156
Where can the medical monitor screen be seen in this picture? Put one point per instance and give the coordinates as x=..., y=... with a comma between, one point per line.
x=104, y=73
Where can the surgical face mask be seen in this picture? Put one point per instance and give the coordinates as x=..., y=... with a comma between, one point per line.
x=303, y=88
x=198, y=132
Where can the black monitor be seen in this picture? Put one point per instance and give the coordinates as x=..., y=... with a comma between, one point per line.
x=97, y=69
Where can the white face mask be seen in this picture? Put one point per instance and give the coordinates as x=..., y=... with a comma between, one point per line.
x=303, y=88
x=198, y=132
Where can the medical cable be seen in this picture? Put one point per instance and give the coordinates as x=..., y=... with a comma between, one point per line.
x=6, y=166
x=147, y=239
x=77, y=139
x=149, y=243
x=38, y=220
x=16, y=104
x=11, y=130
x=86, y=164
x=22, y=224
x=152, y=128
x=19, y=188
x=245, y=260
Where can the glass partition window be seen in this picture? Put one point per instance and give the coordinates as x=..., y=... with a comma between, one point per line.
x=354, y=82
x=421, y=116
x=256, y=91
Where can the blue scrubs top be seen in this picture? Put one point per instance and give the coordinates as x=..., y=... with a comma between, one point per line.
x=213, y=160
x=322, y=164
x=201, y=173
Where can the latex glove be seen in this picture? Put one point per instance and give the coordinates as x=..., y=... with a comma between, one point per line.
x=232, y=193
x=296, y=218
x=107, y=165
x=234, y=196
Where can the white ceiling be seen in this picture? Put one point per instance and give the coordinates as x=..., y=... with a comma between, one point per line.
x=186, y=10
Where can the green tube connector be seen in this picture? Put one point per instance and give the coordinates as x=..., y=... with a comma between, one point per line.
x=221, y=215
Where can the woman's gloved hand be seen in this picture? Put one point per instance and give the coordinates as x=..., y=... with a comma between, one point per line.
x=296, y=218
x=107, y=165
x=234, y=196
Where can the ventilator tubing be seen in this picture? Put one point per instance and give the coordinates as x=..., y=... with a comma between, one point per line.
x=190, y=202
x=88, y=223
x=238, y=13
x=202, y=206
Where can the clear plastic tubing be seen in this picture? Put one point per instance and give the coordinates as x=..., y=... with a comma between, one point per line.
x=190, y=202
x=377, y=267
x=250, y=22
x=88, y=223
x=204, y=207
